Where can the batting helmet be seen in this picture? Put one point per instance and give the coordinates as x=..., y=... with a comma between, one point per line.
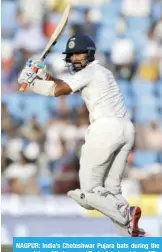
x=80, y=43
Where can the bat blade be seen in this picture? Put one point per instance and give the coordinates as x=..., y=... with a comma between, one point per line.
x=57, y=32
x=59, y=29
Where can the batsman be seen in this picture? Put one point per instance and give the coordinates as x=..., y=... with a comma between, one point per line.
x=109, y=137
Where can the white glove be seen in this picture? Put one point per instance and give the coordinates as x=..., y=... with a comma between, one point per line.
x=42, y=68
x=27, y=75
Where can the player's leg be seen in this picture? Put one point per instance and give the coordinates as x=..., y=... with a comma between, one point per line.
x=114, y=178
x=93, y=162
x=102, y=141
x=103, y=145
x=113, y=186
x=115, y=174
x=115, y=207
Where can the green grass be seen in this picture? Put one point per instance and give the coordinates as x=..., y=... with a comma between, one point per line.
x=6, y=248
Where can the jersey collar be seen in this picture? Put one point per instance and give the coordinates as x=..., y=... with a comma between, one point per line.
x=93, y=63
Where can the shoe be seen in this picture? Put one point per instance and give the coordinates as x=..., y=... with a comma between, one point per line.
x=135, y=214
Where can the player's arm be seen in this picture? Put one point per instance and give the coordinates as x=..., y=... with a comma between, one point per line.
x=61, y=87
x=44, y=84
x=55, y=87
x=64, y=88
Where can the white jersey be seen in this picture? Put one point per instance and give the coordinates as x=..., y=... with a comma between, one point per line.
x=99, y=91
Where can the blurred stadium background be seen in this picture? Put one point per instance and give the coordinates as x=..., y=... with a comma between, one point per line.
x=41, y=137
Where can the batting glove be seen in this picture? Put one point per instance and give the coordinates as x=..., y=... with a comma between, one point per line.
x=42, y=69
x=27, y=76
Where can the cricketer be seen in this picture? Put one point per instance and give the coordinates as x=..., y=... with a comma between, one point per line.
x=109, y=137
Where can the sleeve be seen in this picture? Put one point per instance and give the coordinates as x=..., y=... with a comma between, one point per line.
x=79, y=80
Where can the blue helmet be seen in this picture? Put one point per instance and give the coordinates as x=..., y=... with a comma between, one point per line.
x=80, y=43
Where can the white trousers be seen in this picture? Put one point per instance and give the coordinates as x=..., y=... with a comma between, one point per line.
x=104, y=157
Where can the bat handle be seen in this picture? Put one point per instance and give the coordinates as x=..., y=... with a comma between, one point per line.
x=23, y=87
x=24, y=84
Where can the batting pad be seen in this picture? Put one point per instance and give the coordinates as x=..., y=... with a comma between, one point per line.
x=80, y=198
x=101, y=203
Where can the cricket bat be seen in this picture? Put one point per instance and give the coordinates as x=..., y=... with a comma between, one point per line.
x=59, y=29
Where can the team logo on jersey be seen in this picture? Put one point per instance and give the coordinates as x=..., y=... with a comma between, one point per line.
x=71, y=44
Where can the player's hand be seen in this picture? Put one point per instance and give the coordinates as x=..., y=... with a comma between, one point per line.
x=27, y=76
x=41, y=68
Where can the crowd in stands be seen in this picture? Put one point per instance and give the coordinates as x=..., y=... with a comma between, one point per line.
x=41, y=136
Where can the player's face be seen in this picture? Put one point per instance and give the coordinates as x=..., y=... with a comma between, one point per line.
x=79, y=60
